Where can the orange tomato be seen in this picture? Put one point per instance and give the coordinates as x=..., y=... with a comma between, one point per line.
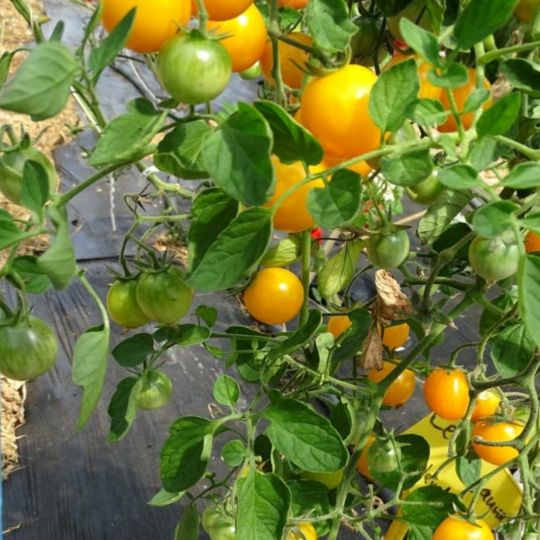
x=455, y=528
x=532, y=242
x=293, y=214
x=156, y=21
x=335, y=110
x=447, y=393
x=496, y=432
x=246, y=37
x=401, y=390
x=486, y=404
x=361, y=167
x=291, y=60
x=395, y=336
x=427, y=90
x=460, y=95
x=294, y=4
x=362, y=466
x=275, y=296
x=339, y=324
x=222, y=10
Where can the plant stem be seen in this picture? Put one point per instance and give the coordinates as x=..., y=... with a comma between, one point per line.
x=306, y=267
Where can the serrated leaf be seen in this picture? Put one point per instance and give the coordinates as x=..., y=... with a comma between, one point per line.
x=468, y=469
x=164, y=498
x=233, y=453
x=407, y=169
x=454, y=76
x=9, y=232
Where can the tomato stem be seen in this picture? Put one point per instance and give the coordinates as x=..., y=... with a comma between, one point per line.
x=306, y=267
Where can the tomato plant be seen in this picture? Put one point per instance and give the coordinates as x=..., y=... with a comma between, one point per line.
x=296, y=206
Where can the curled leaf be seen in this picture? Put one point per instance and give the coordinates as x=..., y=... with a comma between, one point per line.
x=391, y=303
x=372, y=351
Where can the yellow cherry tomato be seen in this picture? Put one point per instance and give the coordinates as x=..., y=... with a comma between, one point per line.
x=291, y=60
x=335, y=110
x=494, y=431
x=246, y=39
x=275, y=296
x=401, y=390
x=331, y=480
x=447, y=393
x=361, y=167
x=338, y=324
x=395, y=336
x=455, y=528
x=293, y=214
x=486, y=404
x=532, y=242
x=156, y=21
x=304, y=531
x=222, y=10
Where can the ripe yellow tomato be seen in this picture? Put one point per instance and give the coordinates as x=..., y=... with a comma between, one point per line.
x=447, y=393
x=304, y=531
x=331, y=480
x=222, y=10
x=294, y=4
x=532, y=242
x=526, y=10
x=291, y=60
x=361, y=167
x=246, y=39
x=485, y=405
x=395, y=336
x=427, y=90
x=461, y=94
x=293, y=215
x=362, y=466
x=455, y=528
x=275, y=296
x=335, y=110
x=339, y=324
x=401, y=390
x=156, y=21
x=494, y=431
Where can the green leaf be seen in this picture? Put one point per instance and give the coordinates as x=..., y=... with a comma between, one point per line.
x=427, y=112
x=459, y=177
x=237, y=249
x=263, y=505
x=212, y=212
x=127, y=137
x=292, y=142
x=5, y=64
x=414, y=459
x=353, y=340
x=188, y=526
x=454, y=76
x=27, y=269
x=469, y=469
x=164, y=498
x=392, y=7
x=134, y=350
x=35, y=187
x=237, y=156
x=185, y=454
x=338, y=203
x=102, y=55
x=441, y=213
x=328, y=22
x=337, y=271
x=395, y=90
x=480, y=19
x=226, y=391
x=529, y=295
x=523, y=176
x=59, y=262
x=187, y=335
x=523, y=75
x=483, y=153
x=208, y=314
x=9, y=232
x=532, y=222
x=494, y=218
x=308, y=496
x=476, y=99
x=430, y=514
x=306, y=438
x=41, y=86
x=180, y=151
x=407, y=169
x=283, y=253
x=512, y=350
x=420, y=40
x=123, y=408
x=420, y=532
x=90, y=368
x=500, y=117
x=246, y=346
x=234, y=453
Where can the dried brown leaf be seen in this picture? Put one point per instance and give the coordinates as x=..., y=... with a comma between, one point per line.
x=372, y=351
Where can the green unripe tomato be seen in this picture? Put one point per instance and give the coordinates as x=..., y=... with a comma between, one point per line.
x=427, y=191
x=194, y=69
x=494, y=258
x=164, y=296
x=122, y=305
x=12, y=169
x=383, y=457
x=28, y=349
x=388, y=250
x=217, y=525
x=156, y=390
x=331, y=480
x=252, y=72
